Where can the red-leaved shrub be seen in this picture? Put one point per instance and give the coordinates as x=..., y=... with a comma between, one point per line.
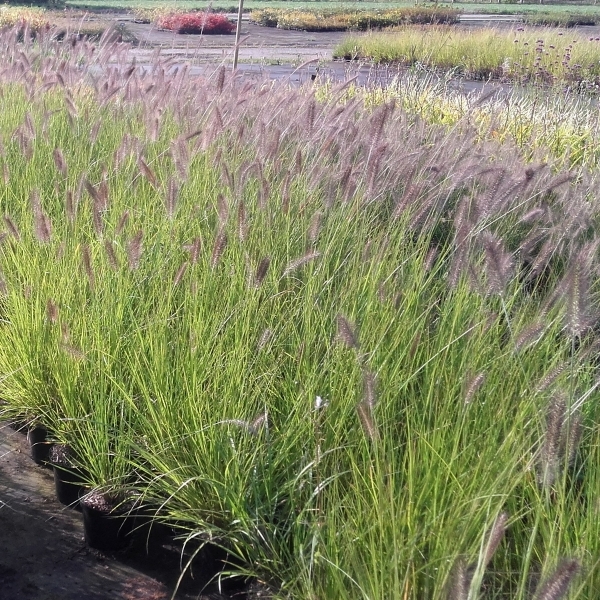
x=198, y=22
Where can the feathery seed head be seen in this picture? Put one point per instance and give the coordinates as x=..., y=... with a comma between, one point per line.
x=194, y=250
x=550, y=378
x=551, y=448
x=473, y=384
x=557, y=585
x=498, y=263
x=220, y=80
x=315, y=227
x=87, y=265
x=134, y=250
x=261, y=271
x=345, y=332
x=12, y=228
x=365, y=414
x=571, y=437
x=242, y=224
x=459, y=581
x=300, y=262
x=369, y=389
x=113, y=261
x=218, y=248
x=124, y=219
x=579, y=313
x=495, y=536
x=259, y=422
x=171, y=198
x=42, y=224
x=147, y=172
x=222, y=210
x=51, y=311
x=180, y=273
x=60, y=162
x=530, y=335
x=265, y=338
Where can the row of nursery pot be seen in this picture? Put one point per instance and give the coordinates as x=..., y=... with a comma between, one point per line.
x=109, y=519
x=120, y=522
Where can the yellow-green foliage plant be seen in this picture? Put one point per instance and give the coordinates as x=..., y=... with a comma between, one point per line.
x=543, y=125
x=22, y=16
x=355, y=349
x=544, y=56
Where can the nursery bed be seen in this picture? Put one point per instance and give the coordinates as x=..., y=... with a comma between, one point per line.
x=43, y=555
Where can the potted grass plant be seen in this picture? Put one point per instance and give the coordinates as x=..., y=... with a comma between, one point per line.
x=107, y=521
x=102, y=447
x=106, y=504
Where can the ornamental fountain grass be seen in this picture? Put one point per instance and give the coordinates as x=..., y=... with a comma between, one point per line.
x=292, y=336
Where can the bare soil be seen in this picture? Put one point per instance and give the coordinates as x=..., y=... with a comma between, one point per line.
x=257, y=43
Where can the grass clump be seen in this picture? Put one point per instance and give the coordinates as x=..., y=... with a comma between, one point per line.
x=521, y=55
x=355, y=349
x=148, y=15
x=355, y=20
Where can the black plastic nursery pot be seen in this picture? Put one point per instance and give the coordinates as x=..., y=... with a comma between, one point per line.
x=68, y=485
x=68, y=479
x=40, y=447
x=106, y=526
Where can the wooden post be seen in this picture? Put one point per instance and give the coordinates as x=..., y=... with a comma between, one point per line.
x=237, y=35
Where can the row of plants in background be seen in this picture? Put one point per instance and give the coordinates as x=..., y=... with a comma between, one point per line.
x=61, y=24
x=143, y=14
x=352, y=20
x=557, y=127
x=511, y=7
x=518, y=55
x=355, y=349
x=561, y=19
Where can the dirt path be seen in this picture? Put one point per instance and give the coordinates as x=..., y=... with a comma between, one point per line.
x=43, y=555
x=266, y=44
x=258, y=43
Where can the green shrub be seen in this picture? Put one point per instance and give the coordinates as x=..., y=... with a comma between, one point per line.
x=34, y=18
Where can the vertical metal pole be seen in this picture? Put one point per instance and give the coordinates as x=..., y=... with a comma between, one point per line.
x=237, y=35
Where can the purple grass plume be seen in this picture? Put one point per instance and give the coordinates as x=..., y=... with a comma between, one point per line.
x=557, y=584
